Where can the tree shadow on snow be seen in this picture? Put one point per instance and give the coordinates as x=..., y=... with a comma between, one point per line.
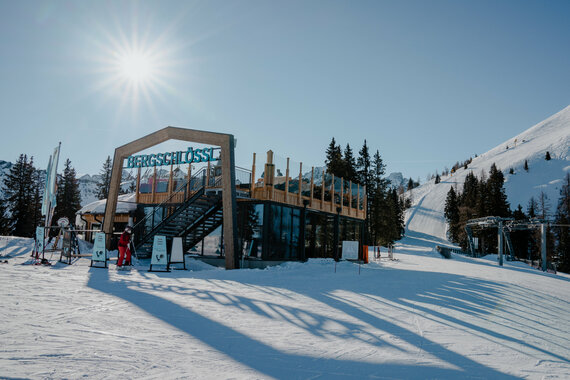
x=417, y=287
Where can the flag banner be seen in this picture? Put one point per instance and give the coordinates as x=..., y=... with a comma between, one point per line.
x=53, y=177
x=47, y=195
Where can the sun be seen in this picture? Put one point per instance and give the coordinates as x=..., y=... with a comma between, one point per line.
x=136, y=67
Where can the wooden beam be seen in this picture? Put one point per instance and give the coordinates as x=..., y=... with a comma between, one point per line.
x=323, y=190
x=287, y=182
x=138, y=185
x=252, y=189
x=225, y=141
x=332, y=194
x=312, y=184
x=300, y=183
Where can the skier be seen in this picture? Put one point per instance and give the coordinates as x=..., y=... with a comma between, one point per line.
x=124, y=242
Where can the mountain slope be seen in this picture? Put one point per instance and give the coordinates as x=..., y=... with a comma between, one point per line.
x=425, y=218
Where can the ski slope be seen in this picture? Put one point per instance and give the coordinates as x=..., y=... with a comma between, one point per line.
x=425, y=220
x=418, y=317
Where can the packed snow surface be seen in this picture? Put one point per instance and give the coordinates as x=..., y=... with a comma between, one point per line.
x=417, y=317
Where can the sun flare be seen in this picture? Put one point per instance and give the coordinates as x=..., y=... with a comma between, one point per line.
x=136, y=67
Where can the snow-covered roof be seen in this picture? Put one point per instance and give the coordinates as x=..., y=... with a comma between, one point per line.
x=125, y=204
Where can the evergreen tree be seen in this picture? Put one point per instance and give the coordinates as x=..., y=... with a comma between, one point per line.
x=437, y=178
x=543, y=205
x=532, y=208
x=496, y=199
x=519, y=214
x=4, y=220
x=19, y=192
x=562, y=233
x=37, y=194
x=68, y=194
x=452, y=214
x=349, y=165
x=410, y=184
x=334, y=161
x=547, y=157
x=103, y=185
x=526, y=165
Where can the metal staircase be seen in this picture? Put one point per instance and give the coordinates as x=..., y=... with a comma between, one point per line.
x=192, y=220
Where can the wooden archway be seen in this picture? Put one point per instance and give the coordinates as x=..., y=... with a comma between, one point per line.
x=224, y=141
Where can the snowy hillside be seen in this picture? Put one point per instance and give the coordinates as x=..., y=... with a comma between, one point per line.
x=420, y=317
x=425, y=219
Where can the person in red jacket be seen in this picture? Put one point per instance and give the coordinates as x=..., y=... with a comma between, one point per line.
x=124, y=242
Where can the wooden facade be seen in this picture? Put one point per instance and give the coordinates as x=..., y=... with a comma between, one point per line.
x=265, y=189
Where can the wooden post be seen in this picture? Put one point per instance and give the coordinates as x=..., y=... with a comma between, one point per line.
x=312, y=184
x=323, y=190
x=269, y=176
x=189, y=180
x=300, y=183
x=153, y=184
x=341, y=194
x=357, y=199
x=332, y=194
x=252, y=189
x=350, y=198
x=208, y=175
x=287, y=182
x=170, y=181
x=365, y=202
x=138, y=185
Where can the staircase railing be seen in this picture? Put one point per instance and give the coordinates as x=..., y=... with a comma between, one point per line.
x=160, y=211
x=163, y=211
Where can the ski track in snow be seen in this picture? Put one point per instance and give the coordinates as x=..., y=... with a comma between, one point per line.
x=418, y=317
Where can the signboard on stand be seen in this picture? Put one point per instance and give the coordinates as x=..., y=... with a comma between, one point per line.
x=99, y=252
x=350, y=250
x=177, y=253
x=159, y=254
x=40, y=239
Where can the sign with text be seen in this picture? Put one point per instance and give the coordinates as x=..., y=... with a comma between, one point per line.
x=350, y=250
x=190, y=156
x=99, y=252
x=159, y=255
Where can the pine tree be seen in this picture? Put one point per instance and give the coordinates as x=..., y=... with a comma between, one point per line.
x=4, y=221
x=452, y=214
x=19, y=192
x=334, y=161
x=532, y=208
x=543, y=205
x=37, y=195
x=526, y=165
x=363, y=167
x=437, y=179
x=495, y=198
x=68, y=194
x=562, y=233
x=349, y=165
x=410, y=184
x=547, y=157
x=103, y=185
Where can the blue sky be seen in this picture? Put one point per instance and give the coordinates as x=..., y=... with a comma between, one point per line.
x=427, y=83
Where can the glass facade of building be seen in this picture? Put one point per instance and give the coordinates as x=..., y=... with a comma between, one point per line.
x=275, y=232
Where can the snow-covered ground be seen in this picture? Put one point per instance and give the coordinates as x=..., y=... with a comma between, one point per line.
x=420, y=316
